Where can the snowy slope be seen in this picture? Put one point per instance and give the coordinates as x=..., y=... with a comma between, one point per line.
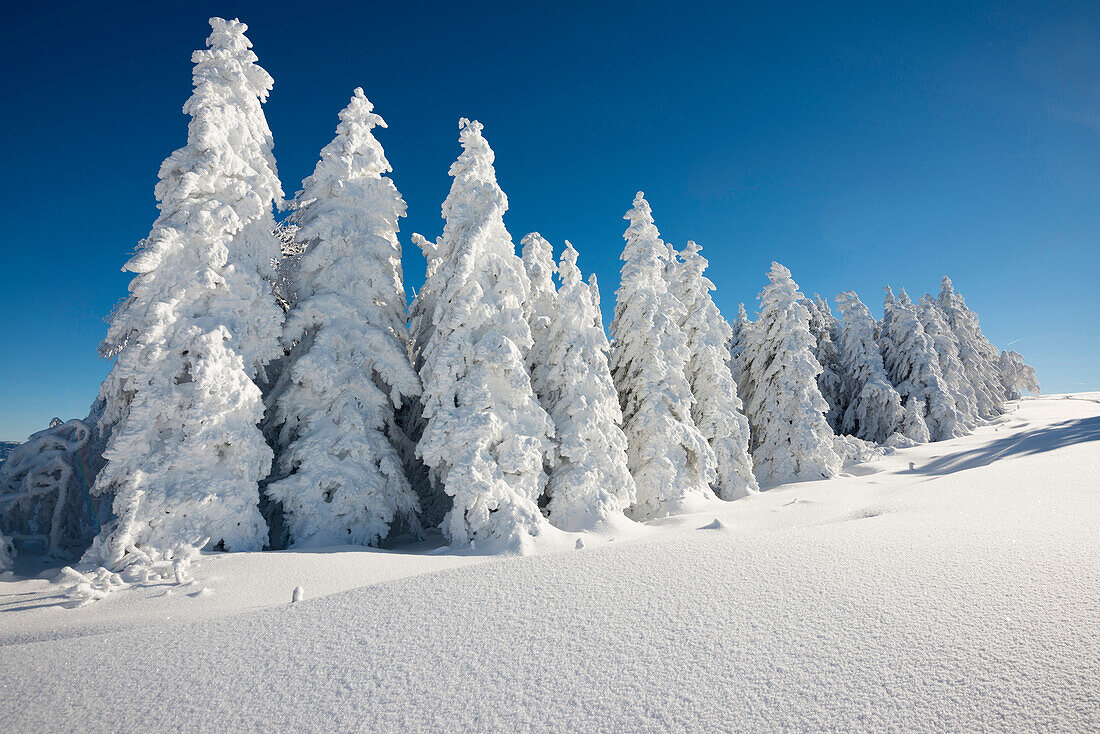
x=961, y=594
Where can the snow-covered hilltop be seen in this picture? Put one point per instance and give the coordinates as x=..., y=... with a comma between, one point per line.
x=270, y=388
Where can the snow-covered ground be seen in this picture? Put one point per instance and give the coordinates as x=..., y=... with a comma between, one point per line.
x=953, y=586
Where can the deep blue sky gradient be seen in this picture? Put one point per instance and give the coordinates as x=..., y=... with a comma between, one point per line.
x=859, y=145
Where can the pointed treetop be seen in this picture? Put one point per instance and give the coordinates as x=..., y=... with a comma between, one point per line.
x=903, y=298
x=641, y=211
x=568, y=271
x=947, y=288
x=229, y=59
x=361, y=110
x=594, y=286
x=228, y=34
x=778, y=273
x=473, y=172
x=536, y=247
x=889, y=294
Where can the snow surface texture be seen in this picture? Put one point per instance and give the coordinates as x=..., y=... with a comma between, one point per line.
x=957, y=595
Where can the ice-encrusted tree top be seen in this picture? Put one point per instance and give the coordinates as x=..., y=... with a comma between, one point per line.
x=791, y=439
x=873, y=409
x=485, y=434
x=718, y=411
x=590, y=484
x=671, y=461
x=343, y=477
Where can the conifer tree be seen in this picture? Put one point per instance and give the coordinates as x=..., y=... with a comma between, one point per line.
x=485, y=433
x=980, y=359
x=955, y=380
x=181, y=408
x=717, y=411
x=672, y=464
x=590, y=484
x=1017, y=376
x=791, y=440
x=740, y=332
x=341, y=475
x=540, y=306
x=825, y=328
x=874, y=409
x=911, y=361
x=914, y=425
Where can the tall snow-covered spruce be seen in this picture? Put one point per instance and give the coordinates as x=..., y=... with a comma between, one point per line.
x=485, y=434
x=590, y=484
x=672, y=463
x=185, y=454
x=873, y=409
x=980, y=359
x=791, y=440
x=955, y=381
x=718, y=411
x=340, y=472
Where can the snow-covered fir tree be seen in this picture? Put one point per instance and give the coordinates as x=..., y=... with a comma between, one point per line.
x=185, y=454
x=740, y=332
x=955, y=380
x=485, y=434
x=980, y=359
x=825, y=330
x=540, y=306
x=873, y=409
x=672, y=464
x=433, y=501
x=1017, y=376
x=340, y=474
x=717, y=411
x=590, y=484
x=914, y=424
x=791, y=440
x=911, y=361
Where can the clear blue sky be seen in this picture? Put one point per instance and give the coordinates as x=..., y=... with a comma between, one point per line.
x=858, y=145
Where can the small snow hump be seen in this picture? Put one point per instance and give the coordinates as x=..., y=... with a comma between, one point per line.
x=298, y=595
x=580, y=543
x=715, y=524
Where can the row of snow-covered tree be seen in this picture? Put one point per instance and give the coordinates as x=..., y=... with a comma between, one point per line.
x=269, y=385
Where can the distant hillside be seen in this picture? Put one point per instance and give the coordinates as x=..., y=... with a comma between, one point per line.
x=6, y=447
